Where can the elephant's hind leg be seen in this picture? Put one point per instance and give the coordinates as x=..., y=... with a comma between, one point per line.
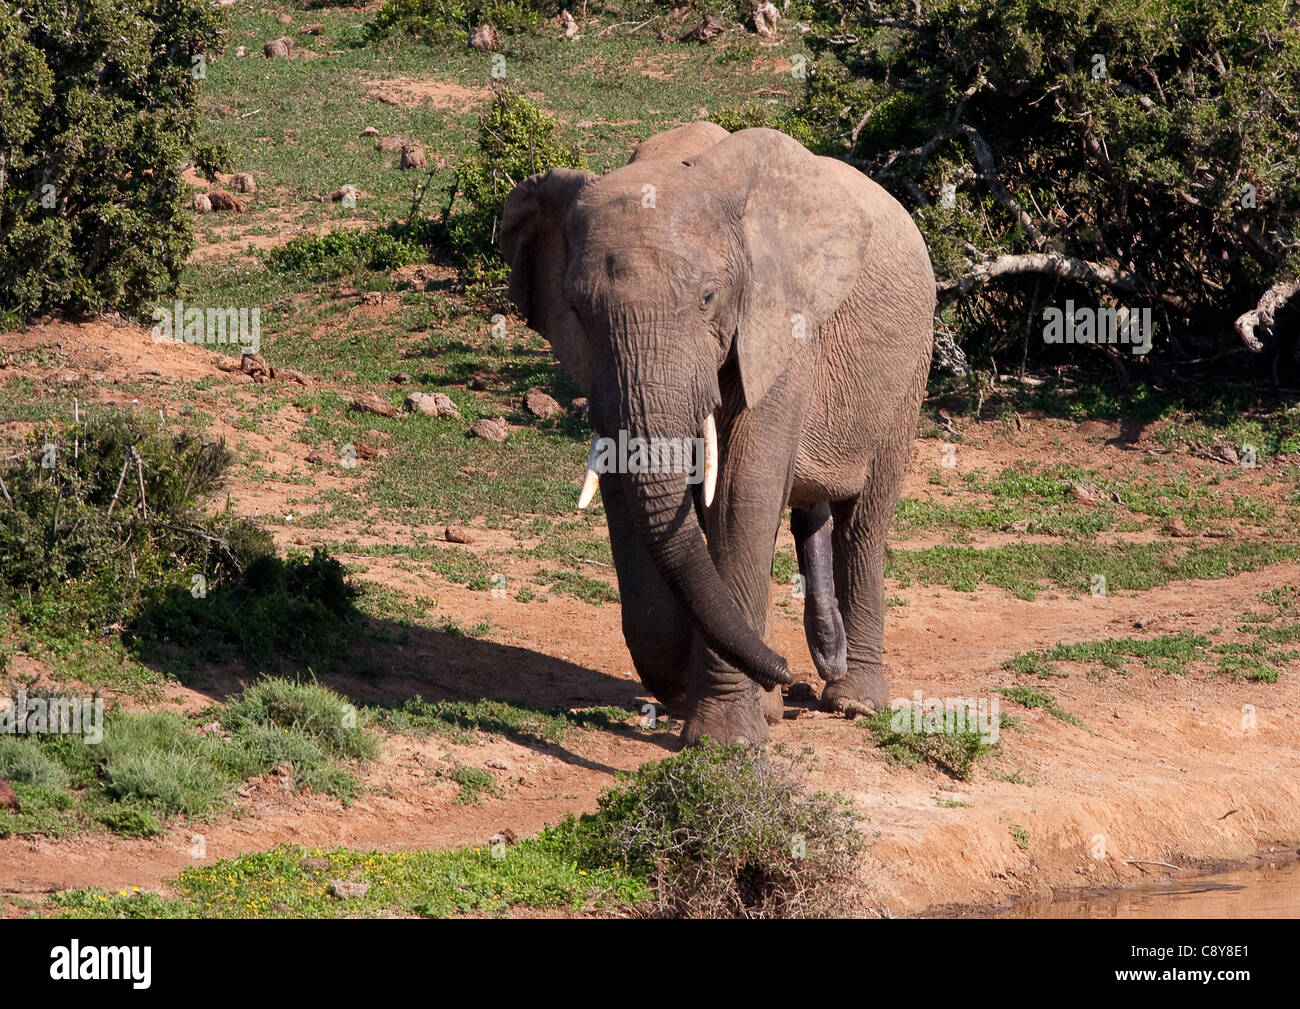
x=822, y=623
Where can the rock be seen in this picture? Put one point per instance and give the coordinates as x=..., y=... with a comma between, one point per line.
x=284, y=19
x=706, y=31
x=391, y=144
x=503, y=836
x=283, y=773
x=281, y=48
x=456, y=534
x=495, y=429
x=255, y=365
x=570, y=26
x=764, y=19
x=242, y=182
x=578, y=408
x=292, y=375
x=348, y=193
x=219, y=199
x=314, y=864
x=484, y=38
x=540, y=405
x=371, y=402
x=364, y=451
x=240, y=52
x=478, y=383
x=9, y=798
x=1224, y=452
x=1175, y=527
x=437, y=404
x=498, y=765
x=800, y=693
x=322, y=457
x=413, y=156
x=346, y=889
x=370, y=131
x=401, y=378
x=311, y=29
x=1087, y=492
x=202, y=204
x=1018, y=526
x=373, y=298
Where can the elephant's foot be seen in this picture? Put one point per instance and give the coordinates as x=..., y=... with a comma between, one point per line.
x=734, y=717
x=863, y=691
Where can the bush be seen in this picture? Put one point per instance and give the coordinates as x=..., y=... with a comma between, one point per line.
x=516, y=140
x=1094, y=151
x=77, y=548
x=316, y=711
x=23, y=760
x=723, y=831
x=98, y=114
x=441, y=21
x=344, y=251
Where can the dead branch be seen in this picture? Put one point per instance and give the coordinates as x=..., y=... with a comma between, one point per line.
x=1262, y=315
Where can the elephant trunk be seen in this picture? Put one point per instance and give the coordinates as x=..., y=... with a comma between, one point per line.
x=664, y=514
x=678, y=408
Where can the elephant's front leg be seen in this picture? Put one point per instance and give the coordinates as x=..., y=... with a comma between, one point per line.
x=724, y=703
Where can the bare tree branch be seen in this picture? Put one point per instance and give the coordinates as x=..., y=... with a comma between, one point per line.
x=1262, y=315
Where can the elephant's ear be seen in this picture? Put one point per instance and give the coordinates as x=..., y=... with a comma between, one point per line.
x=805, y=237
x=532, y=241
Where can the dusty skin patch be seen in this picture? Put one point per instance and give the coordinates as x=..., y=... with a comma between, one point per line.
x=1162, y=771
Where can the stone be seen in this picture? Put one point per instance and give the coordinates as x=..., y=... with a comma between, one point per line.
x=242, y=182
x=494, y=429
x=346, y=889
x=457, y=534
x=540, y=405
x=371, y=402
x=281, y=48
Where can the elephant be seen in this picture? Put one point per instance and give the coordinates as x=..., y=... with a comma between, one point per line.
x=736, y=290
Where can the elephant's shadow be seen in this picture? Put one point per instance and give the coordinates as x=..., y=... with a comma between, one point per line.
x=385, y=663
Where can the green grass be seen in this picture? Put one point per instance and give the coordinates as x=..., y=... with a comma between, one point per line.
x=1172, y=653
x=1029, y=698
x=1025, y=569
x=154, y=765
x=954, y=752
x=466, y=721
x=278, y=884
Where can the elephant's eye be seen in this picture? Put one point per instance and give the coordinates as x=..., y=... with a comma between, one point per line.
x=707, y=301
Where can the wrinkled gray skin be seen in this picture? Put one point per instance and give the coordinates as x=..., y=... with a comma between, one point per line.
x=668, y=312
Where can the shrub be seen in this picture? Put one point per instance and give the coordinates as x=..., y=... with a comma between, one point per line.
x=1107, y=153
x=516, y=140
x=344, y=251
x=723, y=831
x=316, y=711
x=441, y=21
x=23, y=760
x=98, y=114
x=76, y=546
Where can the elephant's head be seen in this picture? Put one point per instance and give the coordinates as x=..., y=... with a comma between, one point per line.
x=658, y=282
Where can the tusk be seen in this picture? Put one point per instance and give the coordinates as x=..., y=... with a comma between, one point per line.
x=592, y=479
x=710, y=459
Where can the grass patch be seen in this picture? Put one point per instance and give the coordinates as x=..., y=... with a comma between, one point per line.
x=1030, y=698
x=952, y=749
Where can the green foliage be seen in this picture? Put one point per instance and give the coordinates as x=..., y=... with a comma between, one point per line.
x=953, y=749
x=442, y=21
x=1030, y=698
x=345, y=251
x=98, y=103
x=1140, y=165
x=515, y=140
x=722, y=831
x=309, y=708
x=76, y=546
x=23, y=760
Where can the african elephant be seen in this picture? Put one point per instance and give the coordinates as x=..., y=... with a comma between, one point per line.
x=780, y=305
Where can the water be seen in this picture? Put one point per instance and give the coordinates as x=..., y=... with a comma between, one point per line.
x=1270, y=891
